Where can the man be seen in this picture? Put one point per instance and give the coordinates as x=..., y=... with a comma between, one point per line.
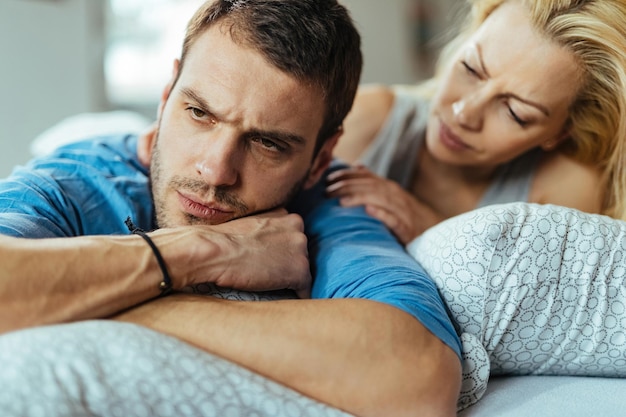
x=249, y=119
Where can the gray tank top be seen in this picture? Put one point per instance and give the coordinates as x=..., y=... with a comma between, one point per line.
x=393, y=152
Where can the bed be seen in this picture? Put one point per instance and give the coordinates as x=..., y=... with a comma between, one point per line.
x=115, y=369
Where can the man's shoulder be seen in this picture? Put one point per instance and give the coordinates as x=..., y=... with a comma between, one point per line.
x=77, y=188
x=306, y=200
x=97, y=151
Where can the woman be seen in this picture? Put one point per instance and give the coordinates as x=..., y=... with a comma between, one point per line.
x=528, y=104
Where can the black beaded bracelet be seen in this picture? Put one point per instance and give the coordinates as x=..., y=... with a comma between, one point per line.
x=166, y=285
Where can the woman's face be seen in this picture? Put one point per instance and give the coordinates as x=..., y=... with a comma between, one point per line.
x=507, y=90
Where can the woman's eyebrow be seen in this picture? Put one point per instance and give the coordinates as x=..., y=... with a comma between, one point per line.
x=478, y=51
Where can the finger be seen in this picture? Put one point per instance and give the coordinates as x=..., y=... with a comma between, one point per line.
x=297, y=222
x=354, y=184
x=304, y=290
x=387, y=217
x=304, y=294
x=276, y=212
x=361, y=199
x=401, y=230
x=363, y=194
x=349, y=173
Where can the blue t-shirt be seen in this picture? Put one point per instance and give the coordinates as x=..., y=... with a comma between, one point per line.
x=91, y=187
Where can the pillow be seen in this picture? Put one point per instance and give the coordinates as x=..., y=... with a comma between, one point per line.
x=86, y=125
x=541, y=287
x=114, y=369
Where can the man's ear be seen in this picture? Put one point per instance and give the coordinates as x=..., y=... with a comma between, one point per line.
x=322, y=160
x=168, y=88
x=148, y=137
x=145, y=144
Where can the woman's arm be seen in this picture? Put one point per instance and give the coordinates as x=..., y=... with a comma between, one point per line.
x=369, y=112
x=562, y=181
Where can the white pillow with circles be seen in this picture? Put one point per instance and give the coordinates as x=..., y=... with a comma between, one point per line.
x=542, y=288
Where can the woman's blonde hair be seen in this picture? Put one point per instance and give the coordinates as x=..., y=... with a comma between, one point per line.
x=595, y=32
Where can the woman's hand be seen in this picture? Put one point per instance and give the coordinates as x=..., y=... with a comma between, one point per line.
x=384, y=199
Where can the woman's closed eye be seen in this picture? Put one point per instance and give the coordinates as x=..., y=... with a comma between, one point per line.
x=517, y=119
x=523, y=122
x=470, y=70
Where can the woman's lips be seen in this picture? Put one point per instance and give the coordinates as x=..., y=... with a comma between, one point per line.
x=207, y=211
x=450, y=140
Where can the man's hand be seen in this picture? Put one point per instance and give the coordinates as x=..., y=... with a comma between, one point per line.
x=262, y=252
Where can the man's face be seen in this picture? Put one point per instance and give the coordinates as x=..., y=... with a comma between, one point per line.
x=236, y=136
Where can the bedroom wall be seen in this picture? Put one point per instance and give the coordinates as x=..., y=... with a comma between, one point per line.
x=51, y=54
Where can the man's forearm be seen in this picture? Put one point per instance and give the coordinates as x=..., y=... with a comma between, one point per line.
x=44, y=281
x=361, y=356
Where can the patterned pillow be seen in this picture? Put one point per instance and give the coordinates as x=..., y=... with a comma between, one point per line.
x=113, y=369
x=541, y=288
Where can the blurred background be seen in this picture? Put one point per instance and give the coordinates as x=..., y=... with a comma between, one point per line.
x=60, y=58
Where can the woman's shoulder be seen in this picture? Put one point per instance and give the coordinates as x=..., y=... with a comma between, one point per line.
x=564, y=181
x=371, y=107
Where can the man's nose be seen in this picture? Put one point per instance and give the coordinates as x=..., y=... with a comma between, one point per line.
x=219, y=162
x=468, y=112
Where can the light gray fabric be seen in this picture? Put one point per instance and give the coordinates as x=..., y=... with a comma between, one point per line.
x=551, y=396
x=393, y=152
x=111, y=369
x=542, y=288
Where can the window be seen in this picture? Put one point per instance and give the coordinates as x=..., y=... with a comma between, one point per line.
x=143, y=39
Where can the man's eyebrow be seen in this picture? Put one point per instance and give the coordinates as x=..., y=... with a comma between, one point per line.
x=538, y=106
x=270, y=134
x=278, y=135
x=195, y=97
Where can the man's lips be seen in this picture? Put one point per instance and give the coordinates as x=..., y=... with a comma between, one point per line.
x=197, y=208
x=450, y=140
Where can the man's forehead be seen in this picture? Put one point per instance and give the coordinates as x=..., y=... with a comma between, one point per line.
x=240, y=83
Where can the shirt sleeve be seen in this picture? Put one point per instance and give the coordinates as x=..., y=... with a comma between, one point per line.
x=86, y=188
x=34, y=205
x=354, y=255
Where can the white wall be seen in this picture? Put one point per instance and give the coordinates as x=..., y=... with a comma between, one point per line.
x=50, y=68
x=385, y=39
x=387, y=27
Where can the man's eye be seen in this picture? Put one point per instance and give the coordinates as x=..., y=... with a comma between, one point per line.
x=196, y=113
x=269, y=144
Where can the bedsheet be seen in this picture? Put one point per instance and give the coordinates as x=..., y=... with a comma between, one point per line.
x=551, y=396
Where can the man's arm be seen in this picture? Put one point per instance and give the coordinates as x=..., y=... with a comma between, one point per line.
x=361, y=356
x=360, y=351
x=44, y=281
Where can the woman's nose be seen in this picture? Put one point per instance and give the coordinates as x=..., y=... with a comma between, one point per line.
x=468, y=113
